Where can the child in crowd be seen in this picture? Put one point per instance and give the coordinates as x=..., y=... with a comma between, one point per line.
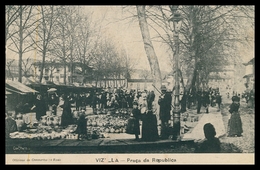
x=81, y=125
x=133, y=126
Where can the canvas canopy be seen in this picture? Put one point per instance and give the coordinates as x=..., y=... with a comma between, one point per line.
x=17, y=87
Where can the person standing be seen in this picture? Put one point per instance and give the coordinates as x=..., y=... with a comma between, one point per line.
x=150, y=98
x=39, y=107
x=81, y=125
x=199, y=97
x=206, y=100
x=53, y=102
x=94, y=103
x=77, y=101
x=149, y=124
x=103, y=100
x=218, y=100
x=66, y=117
x=190, y=99
x=235, y=123
x=212, y=98
x=165, y=101
x=133, y=125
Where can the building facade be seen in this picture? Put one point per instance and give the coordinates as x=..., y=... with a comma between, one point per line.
x=249, y=77
x=222, y=78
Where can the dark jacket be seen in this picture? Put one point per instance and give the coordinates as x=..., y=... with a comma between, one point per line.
x=66, y=117
x=218, y=99
x=165, y=107
x=234, y=107
x=40, y=108
x=81, y=125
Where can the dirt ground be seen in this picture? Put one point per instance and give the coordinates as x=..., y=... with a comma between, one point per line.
x=246, y=143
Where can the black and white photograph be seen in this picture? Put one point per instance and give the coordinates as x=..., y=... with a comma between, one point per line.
x=129, y=84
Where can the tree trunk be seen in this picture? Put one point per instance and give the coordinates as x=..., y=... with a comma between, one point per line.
x=71, y=72
x=151, y=55
x=65, y=72
x=20, y=45
x=42, y=64
x=96, y=81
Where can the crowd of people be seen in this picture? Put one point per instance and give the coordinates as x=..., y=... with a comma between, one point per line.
x=142, y=107
x=201, y=98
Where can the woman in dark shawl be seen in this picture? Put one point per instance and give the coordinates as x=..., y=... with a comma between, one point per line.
x=235, y=123
x=66, y=117
x=149, y=122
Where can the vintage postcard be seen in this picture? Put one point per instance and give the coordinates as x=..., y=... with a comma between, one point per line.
x=137, y=85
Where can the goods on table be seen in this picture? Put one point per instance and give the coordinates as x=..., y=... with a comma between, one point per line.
x=50, y=120
x=46, y=132
x=99, y=125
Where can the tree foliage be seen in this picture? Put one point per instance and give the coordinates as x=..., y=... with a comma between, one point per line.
x=209, y=35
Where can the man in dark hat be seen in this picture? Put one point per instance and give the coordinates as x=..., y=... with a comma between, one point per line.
x=164, y=101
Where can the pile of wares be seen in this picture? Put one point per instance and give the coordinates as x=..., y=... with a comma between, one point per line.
x=46, y=133
x=99, y=125
x=50, y=120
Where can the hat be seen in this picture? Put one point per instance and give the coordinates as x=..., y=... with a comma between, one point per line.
x=163, y=87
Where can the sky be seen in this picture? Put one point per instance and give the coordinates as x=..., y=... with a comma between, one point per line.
x=127, y=33
x=123, y=32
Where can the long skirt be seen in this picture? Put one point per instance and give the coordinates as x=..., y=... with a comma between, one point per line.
x=235, y=125
x=133, y=126
x=149, y=127
x=66, y=118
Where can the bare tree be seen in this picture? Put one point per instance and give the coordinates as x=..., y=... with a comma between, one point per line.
x=45, y=32
x=24, y=26
x=61, y=45
x=85, y=42
x=27, y=64
x=11, y=14
x=149, y=49
x=8, y=65
x=207, y=36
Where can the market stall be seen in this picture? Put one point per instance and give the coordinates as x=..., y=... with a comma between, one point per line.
x=20, y=94
x=98, y=126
